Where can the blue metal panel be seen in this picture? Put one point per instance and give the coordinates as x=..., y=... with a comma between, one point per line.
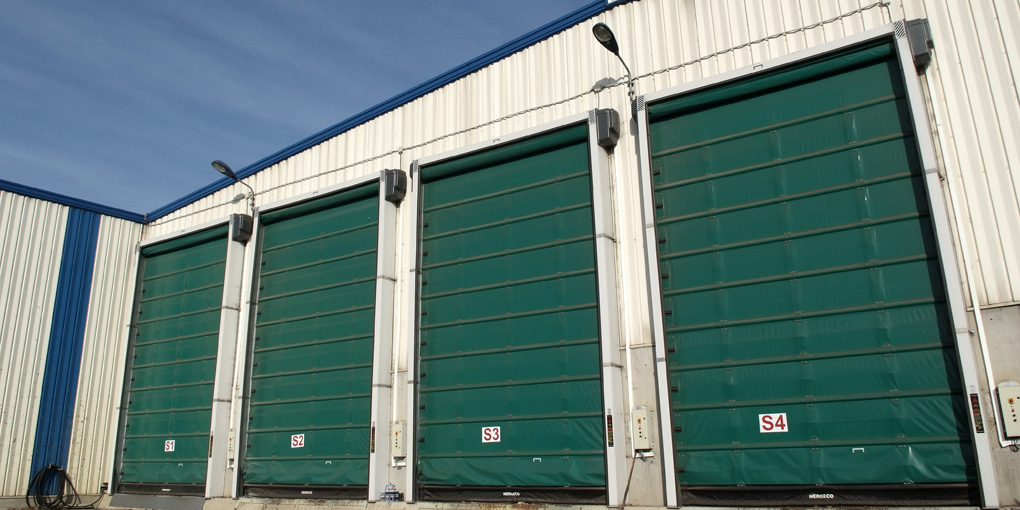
x=67, y=335
x=57, y=198
x=534, y=37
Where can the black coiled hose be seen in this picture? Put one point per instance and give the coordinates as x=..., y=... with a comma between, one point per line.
x=66, y=496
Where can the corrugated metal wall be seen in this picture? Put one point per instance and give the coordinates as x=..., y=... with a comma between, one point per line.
x=31, y=240
x=66, y=342
x=972, y=83
x=102, y=366
x=975, y=110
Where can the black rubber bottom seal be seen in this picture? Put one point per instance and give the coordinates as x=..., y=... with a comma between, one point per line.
x=832, y=495
x=163, y=489
x=351, y=492
x=479, y=494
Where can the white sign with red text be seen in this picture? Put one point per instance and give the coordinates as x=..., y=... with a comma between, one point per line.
x=297, y=441
x=490, y=434
x=772, y=423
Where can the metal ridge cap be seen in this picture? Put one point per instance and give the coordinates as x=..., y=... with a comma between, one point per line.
x=533, y=37
x=70, y=201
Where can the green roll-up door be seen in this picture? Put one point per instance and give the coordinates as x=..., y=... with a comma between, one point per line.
x=510, y=389
x=169, y=403
x=806, y=323
x=311, y=373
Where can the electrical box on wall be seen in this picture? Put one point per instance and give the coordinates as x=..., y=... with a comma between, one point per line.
x=240, y=227
x=398, y=440
x=1009, y=401
x=639, y=429
x=607, y=124
x=395, y=185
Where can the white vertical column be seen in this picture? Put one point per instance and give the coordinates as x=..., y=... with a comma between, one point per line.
x=655, y=307
x=413, y=199
x=217, y=481
x=614, y=416
x=382, y=352
x=239, y=400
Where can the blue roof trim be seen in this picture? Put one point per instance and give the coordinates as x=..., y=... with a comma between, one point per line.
x=535, y=36
x=67, y=337
x=50, y=196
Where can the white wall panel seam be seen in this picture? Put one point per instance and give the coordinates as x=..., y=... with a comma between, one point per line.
x=1008, y=81
x=948, y=160
x=1008, y=20
x=992, y=248
x=1002, y=146
x=932, y=103
x=985, y=225
x=32, y=234
x=945, y=120
x=103, y=352
x=961, y=139
x=40, y=315
x=993, y=144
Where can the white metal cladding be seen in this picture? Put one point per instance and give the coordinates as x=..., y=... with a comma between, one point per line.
x=971, y=83
x=94, y=431
x=31, y=243
x=971, y=87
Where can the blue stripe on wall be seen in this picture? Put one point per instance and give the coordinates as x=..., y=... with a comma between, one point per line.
x=67, y=336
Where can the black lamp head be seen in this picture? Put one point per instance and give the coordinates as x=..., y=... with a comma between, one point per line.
x=224, y=169
x=605, y=37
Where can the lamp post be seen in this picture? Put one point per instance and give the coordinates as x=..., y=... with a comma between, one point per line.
x=224, y=169
x=604, y=35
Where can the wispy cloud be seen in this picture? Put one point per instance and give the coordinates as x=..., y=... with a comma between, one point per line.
x=125, y=103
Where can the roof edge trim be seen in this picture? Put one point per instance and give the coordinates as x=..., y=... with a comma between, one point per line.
x=531, y=38
x=57, y=198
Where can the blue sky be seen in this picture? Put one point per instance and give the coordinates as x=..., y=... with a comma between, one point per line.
x=125, y=103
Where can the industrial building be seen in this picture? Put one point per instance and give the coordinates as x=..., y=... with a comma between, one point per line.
x=655, y=253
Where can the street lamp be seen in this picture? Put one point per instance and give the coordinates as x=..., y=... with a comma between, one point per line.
x=604, y=35
x=224, y=169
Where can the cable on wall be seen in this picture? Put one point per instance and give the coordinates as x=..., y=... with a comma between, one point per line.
x=883, y=4
x=767, y=38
